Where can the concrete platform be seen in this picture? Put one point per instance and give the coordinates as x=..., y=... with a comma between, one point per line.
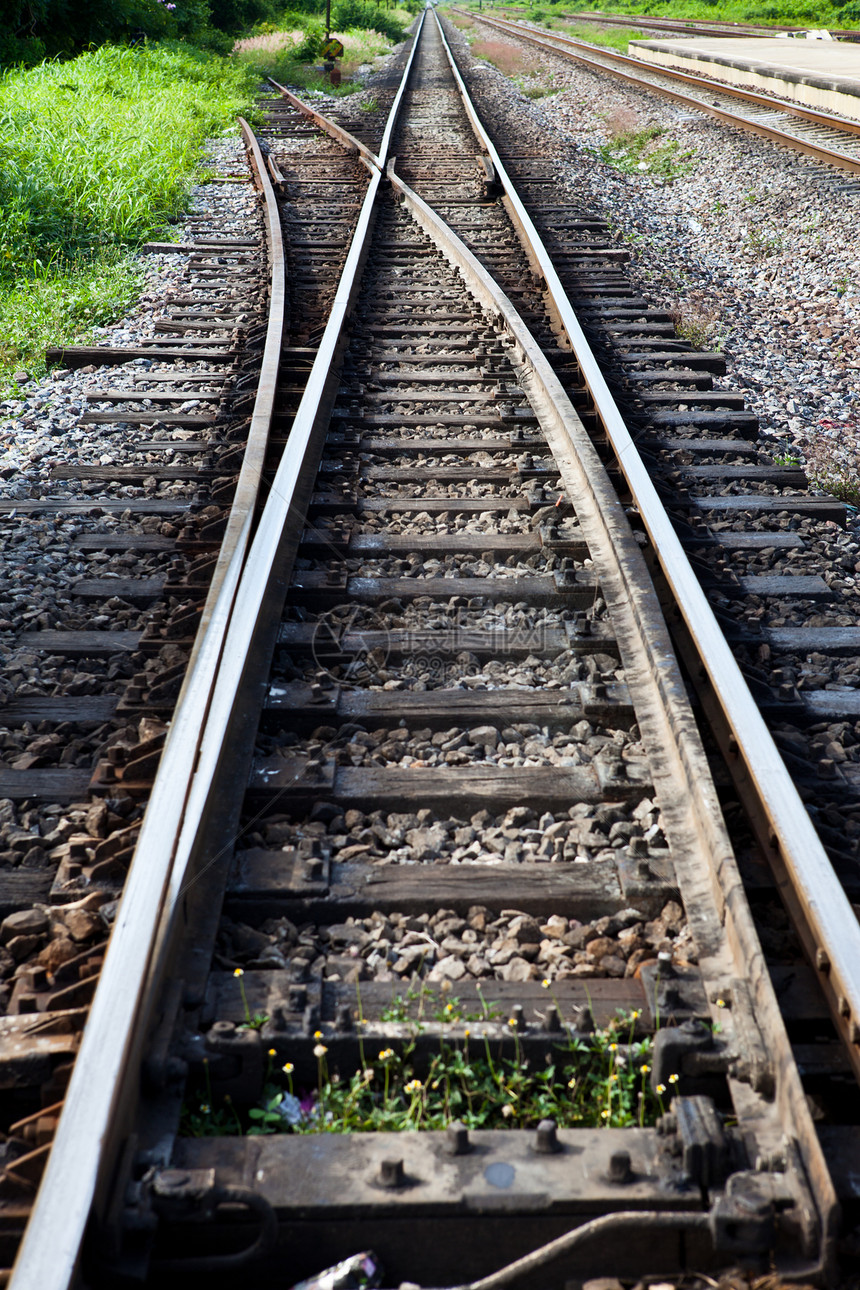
x=817, y=73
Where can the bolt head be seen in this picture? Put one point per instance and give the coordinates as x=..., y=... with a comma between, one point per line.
x=619, y=1167
x=457, y=1139
x=546, y=1138
x=552, y=1021
x=391, y=1173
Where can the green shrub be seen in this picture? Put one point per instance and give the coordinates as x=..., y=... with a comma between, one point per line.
x=310, y=47
x=363, y=13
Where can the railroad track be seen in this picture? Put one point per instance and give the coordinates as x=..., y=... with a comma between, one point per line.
x=435, y=754
x=696, y=26
x=830, y=139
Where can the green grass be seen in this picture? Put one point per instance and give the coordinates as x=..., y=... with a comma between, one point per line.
x=96, y=155
x=58, y=307
x=609, y=37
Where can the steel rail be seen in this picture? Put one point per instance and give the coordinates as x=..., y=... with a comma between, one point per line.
x=826, y=919
x=107, y=1069
x=830, y=156
x=238, y=531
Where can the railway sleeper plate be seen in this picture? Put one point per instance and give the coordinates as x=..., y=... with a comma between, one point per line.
x=454, y=1206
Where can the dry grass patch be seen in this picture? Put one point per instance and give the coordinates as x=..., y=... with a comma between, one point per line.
x=509, y=60
x=699, y=323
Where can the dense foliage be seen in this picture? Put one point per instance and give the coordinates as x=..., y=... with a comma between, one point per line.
x=31, y=30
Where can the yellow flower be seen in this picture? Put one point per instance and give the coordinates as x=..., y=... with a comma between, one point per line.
x=320, y=1050
x=414, y=1086
x=272, y=1052
x=612, y=1047
x=318, y=1034
x=512, y=1021
x=238, y=972
x=467, y=1032
x=661, y=1088
x=545, y=983
x=673, y=1079
x=386, y=1054
x=571, y=1083
x=636, y=1014
x=604, y=1115
x=288, y=1068
x=449, y=1007
x=612, y=1077
x=644, y=1068
x=721, y=1003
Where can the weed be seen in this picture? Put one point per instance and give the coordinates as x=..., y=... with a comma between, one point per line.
x=539, y=91
x=633, y=151
x=829, y=475
x=601, y=1080
x=369, y=105
x=62, y=307
x=255, y=1021
x=622, y=121
x=786, y=459
x=764, y=241
x=699, y=324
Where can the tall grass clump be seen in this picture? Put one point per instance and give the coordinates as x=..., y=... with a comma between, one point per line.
x=95, y=155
